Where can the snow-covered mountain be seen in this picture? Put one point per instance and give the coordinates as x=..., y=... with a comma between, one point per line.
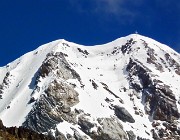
x=125, y=89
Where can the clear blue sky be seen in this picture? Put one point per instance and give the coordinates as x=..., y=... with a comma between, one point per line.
x=26, y=24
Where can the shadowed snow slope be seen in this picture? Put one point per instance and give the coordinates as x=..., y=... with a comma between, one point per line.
x=125, y=89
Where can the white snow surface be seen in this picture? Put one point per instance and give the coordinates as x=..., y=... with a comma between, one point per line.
x=100, y=65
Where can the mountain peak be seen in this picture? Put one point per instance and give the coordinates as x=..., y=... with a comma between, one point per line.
x=125, y=89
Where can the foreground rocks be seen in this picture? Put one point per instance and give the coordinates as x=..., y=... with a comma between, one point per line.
x=14, y=133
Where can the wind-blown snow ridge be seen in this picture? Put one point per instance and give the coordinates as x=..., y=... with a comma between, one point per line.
x=79, y=89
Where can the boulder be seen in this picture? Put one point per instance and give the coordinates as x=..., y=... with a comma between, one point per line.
x=123, y=114
x=111, y=129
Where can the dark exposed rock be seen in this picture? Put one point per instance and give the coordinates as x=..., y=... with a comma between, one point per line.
x=162, y=107
x=85, y=124
x=154, y=135
x=152, y=59
x=108, y=100
x=127, y=47
x=1, y=91
x=83, y=51
x=158, y=98
x=78, y=136
x=140, y=138
x=5, y=83
x=142, y=72
x=107, y=88
x=14, y=133
x=173, y=63
x=1, y=124
x=131, y=135
x=123, y=114
x=31, y=100
x=65, y=44
x=115, y=50
x=136, y=86
x=59, y=135
x=151, y=54
x=5, y=80
x=164, y=132
x=1, y=86
x=94, y=84
x=161, y=133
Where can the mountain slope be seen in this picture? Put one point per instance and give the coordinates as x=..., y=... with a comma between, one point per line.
x=125, y=89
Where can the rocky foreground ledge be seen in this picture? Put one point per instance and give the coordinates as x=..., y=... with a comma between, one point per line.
x=14, y=133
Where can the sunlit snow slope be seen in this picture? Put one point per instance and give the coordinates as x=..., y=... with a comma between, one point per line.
x=125, y=89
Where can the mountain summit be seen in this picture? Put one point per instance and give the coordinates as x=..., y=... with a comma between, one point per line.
x=127, y=89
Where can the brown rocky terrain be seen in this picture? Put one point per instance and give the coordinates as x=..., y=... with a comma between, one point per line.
x=14, y=133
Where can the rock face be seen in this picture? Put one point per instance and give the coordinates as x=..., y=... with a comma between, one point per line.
x=53, y=107
x=156, y=94
x=159, y=100
x=58, y=62
x=124, y=90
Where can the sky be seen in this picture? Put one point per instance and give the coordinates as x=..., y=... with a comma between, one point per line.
x=25, y=25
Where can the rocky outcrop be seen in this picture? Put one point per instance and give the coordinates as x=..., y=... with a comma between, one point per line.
x=131, y=135
x=5, y=83
x=127, y=47
x=57, y=62
x=53, y=107
x=1, y=124
x=173, y=63
x=168, y=131
x=85, y=52
x=105, y=129
x=85, y=124
x=152, y=59
x=158, y=98
x=111, y=129
x=123, y=114
x=156, y=94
